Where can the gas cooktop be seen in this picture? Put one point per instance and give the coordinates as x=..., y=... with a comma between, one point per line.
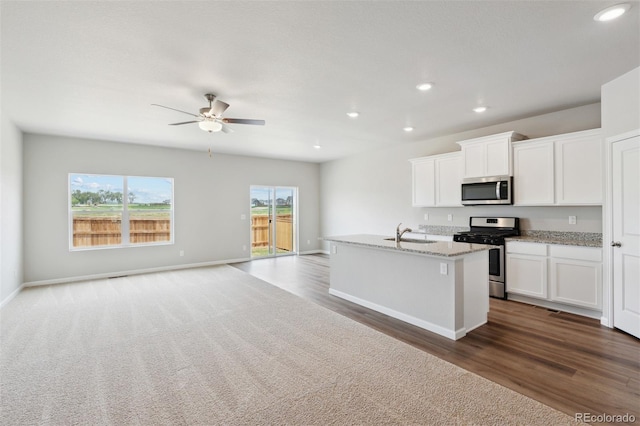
x=489, y=230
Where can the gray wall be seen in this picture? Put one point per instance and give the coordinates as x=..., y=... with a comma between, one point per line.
x=621, y=104
x=11, y=263
x=210, y=196
x=371, y=192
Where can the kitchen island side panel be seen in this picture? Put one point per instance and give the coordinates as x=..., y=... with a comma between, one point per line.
x=476, y=289
x=406, y=286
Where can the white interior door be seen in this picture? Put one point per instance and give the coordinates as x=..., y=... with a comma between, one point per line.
x=625, y=169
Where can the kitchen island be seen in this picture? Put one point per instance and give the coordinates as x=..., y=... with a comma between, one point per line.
x=440, y=286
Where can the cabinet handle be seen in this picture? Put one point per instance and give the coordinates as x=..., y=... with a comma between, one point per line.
x=616, y=244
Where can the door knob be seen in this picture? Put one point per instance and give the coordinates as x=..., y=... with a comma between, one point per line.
x=616, y=244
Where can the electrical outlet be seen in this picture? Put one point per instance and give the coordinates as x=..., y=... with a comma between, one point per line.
x=334, y=249
x=426, y=216
x=572, y=220
x=181, y=252
x=308, y=242
x=443, y=269
x=243, y=216
x=449, y=217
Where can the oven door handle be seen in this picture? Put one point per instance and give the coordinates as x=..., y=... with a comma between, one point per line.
x=497, y=190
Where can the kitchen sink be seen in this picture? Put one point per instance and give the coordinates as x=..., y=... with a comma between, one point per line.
x=412, y=240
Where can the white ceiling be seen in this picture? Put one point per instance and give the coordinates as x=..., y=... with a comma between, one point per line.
x=92, y=69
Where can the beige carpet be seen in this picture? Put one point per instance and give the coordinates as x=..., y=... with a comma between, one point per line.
x=218, y=346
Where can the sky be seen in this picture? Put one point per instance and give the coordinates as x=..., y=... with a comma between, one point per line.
x=146, y=189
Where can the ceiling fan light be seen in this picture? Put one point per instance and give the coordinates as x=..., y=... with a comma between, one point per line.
x=210, y=126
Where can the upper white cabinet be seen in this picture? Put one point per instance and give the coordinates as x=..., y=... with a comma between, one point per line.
x=559, y=170
x=579, y=175
x=423, y=179
x=533, y=182
x=437, y=180
x=488, y=155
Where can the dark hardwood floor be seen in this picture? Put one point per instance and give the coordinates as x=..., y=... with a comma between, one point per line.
x=566, y=361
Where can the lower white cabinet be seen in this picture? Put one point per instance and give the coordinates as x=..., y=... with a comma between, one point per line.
x=527, y=269
x=575, y=276
x=568, y=275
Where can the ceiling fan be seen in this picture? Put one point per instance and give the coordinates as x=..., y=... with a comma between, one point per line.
x=210, y=118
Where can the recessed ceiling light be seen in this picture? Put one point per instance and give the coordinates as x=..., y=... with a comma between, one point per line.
x=408, y=129
x=612, y=12
x=317, y=146
x=353, y=114
x=480, y=109
x=424, y=86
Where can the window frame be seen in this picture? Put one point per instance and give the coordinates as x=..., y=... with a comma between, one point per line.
x=125, y=239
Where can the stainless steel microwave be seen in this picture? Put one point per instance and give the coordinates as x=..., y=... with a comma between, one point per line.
x=487, y=190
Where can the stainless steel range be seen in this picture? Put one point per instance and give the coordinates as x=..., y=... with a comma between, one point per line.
x=492, y=231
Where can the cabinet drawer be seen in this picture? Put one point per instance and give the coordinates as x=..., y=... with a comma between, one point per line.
x=592, y=254
x=535, y=249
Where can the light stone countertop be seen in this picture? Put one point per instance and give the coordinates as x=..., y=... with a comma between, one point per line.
x=580, y=239
x=437, y=249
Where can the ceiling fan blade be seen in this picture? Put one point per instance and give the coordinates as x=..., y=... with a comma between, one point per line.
x=226, y=129
x=184, y=122
x=184, y=112
x=218, y=108
x=243, y=121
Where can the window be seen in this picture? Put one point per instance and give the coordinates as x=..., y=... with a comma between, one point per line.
x=119, y=211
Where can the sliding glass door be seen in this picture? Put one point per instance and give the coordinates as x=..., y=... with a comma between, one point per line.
x=273, y=221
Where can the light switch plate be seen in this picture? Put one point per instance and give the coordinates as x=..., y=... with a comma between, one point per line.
x=449, y=217
x=443, y=269
x=572, y=220
x=426, y=216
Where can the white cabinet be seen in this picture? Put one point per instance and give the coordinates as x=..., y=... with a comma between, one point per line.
x=489, y=155
x=423, y=178
x=567, y=275
x=527, y=269
x=533, y=180
x=559, y=170
x=449, y=180
x=579, y=175
x=437, y=180
x=575, y=276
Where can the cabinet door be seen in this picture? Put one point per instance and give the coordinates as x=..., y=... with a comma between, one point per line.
x=527, y=275
x=576, y=282
x=449, y=181
x=579, y=170
x=533, y=177
x=497, y=157
x=475, y=160
x=423, y=171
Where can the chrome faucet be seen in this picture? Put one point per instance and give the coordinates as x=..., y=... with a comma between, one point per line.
x=400, y=233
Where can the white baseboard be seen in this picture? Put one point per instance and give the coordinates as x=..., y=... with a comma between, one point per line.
x=10, y=297
x=132, y=272
x=451, y=334
x=317, y=251
x=556, y=306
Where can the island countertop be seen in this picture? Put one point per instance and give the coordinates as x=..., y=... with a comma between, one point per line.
x=385, y=242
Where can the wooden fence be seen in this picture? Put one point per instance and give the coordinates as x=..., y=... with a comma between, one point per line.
x=105, y=231
x=284, y=231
